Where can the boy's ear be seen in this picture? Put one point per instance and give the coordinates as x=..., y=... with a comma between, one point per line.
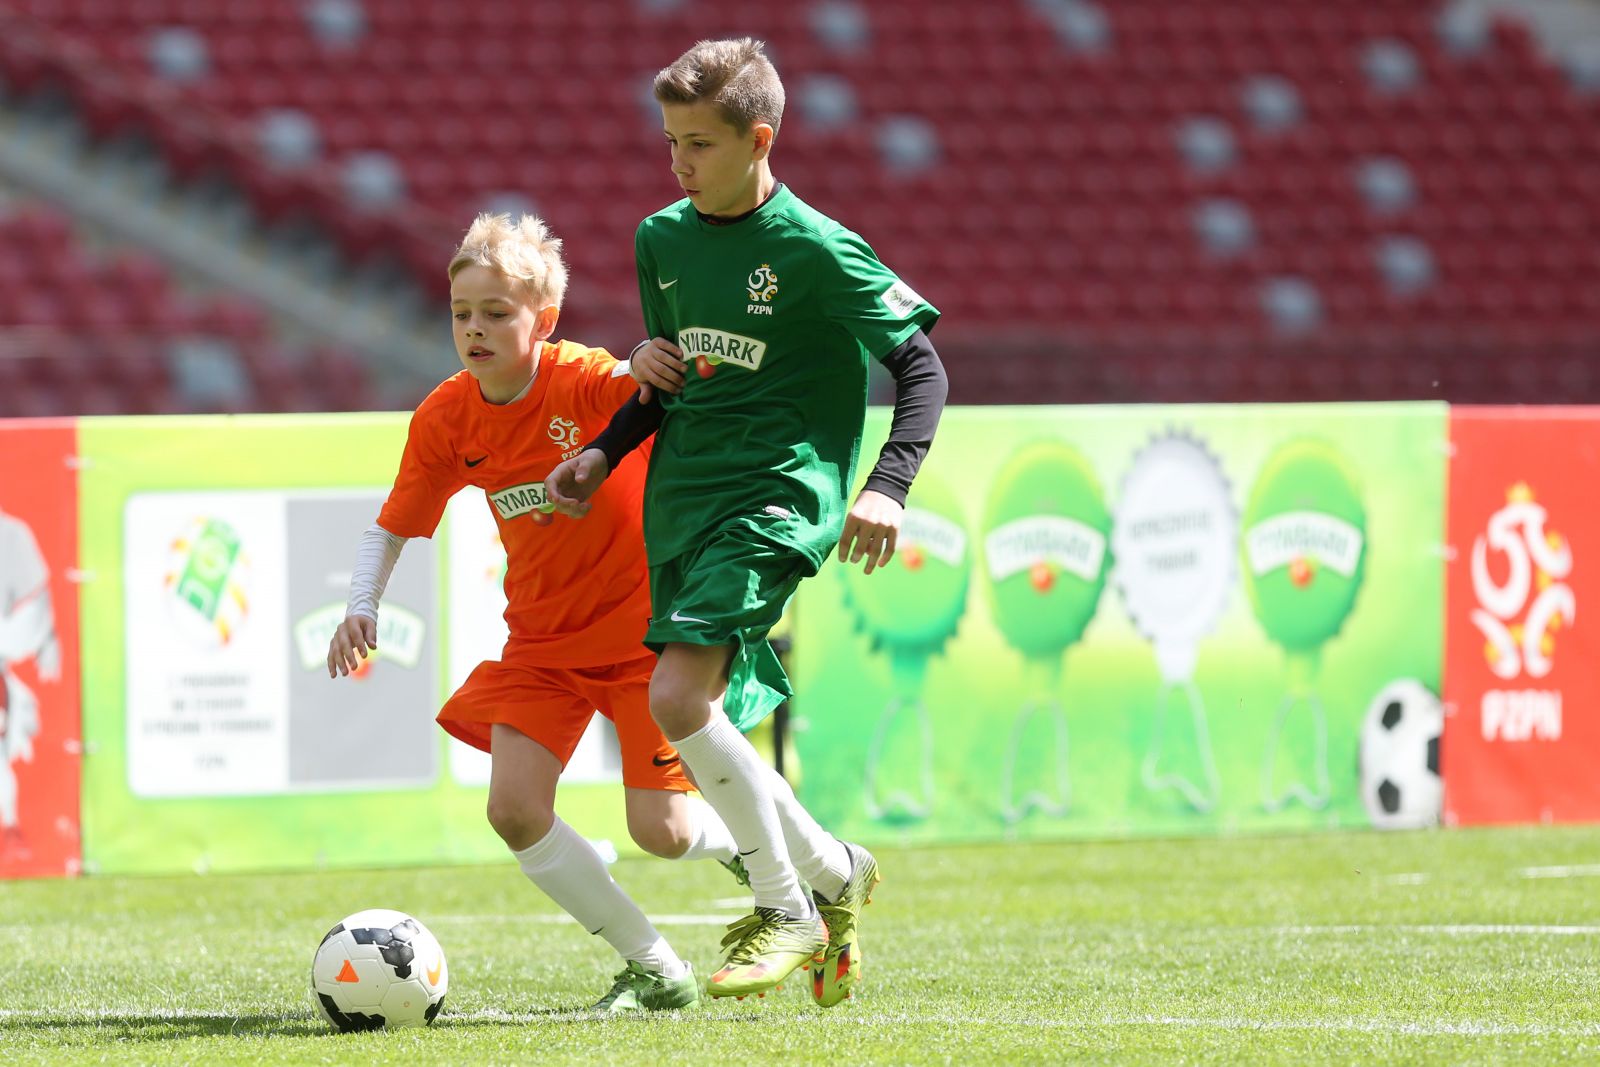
x=545, y=324
x=765, y=135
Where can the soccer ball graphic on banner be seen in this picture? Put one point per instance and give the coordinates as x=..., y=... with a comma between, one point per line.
x=376, y=969
x=1400, y=783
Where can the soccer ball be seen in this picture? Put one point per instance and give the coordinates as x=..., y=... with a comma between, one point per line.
x=378, y=968
x=1400, y=783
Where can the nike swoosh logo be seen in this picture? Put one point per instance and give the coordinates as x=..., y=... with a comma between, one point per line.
x=475, y=462
x=664, y=286
x=678, y=617
x=752, y=852
x=435, y=971
x=659, y=762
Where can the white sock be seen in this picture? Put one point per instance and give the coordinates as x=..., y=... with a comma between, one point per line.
x=573, y=875
x=709, y=836
x=734, y=782
x=820, y=857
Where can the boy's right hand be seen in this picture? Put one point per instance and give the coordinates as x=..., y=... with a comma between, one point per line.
x=657, y=364
x=356, y=635
x=570, y=485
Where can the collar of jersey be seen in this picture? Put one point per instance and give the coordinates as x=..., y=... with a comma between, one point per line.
x=761, y=210
x=533, y=398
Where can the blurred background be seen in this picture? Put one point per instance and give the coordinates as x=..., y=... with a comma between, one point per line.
x=238, y=205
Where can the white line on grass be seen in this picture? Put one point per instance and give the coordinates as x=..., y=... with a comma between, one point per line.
x=1455, y=930
x=1416, y=878
x=1582, y=870
x=1426, y=1028
x=1418, y=1027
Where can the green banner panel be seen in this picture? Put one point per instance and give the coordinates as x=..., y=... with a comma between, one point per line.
x=1138, y=620
x=216, y=555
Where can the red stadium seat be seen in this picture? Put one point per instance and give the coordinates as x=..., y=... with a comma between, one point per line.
x=1040, y=146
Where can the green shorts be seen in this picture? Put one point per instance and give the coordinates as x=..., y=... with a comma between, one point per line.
x=731, y=591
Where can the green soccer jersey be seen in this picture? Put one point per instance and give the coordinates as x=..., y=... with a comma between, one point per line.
x=777, y=315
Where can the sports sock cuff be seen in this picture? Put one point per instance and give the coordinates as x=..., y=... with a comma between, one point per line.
x=545, y=851
x=709, y=837
x=698, y=736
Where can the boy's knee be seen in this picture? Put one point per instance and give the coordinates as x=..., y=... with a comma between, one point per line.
x=518, y=822
x=677, y=706
x=659, y=837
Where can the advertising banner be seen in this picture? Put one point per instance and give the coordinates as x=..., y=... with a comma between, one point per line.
x=40, y=743
x=231, y=694
x=218, y=554
x=1521, y=654
x=1135, y=620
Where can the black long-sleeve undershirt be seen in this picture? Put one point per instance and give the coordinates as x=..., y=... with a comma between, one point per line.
x=627, y=430
x=920, y=390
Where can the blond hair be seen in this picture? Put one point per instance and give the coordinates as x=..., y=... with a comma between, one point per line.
x=733, y=74
x=524, y=251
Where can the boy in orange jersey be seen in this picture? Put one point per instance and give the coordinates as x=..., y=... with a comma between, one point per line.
x=578, y=599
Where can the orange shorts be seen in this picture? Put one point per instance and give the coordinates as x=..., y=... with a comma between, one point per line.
x=553, y=705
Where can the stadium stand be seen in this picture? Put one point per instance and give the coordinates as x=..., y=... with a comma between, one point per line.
x=1130, y=201
x=94, y=335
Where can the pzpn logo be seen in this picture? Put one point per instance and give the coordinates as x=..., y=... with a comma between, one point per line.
x=763, y=287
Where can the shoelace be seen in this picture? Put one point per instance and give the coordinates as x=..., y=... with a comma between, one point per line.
x=839, y=920
x=751, y=934
x=740, y=873
x=624, y=981
x=837, y=914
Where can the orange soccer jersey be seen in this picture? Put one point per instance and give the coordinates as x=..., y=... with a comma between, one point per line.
x=578, y=592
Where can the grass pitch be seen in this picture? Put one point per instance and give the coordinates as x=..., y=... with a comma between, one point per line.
x=1452, y=947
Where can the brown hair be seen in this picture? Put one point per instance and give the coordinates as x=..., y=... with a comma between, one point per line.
x=735, y=75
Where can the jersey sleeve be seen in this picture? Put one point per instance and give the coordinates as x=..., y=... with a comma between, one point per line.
x=867, y=299
x=427, y=480
x=656, y=321
x=606, y=384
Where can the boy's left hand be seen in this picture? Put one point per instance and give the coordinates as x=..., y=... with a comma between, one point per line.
x=571, y=484
x=870, y=530
x=657, y=364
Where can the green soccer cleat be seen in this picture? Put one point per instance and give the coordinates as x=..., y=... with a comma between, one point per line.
x=736, y=868
x=764, y=948
x=637, y=989
x=838, y=971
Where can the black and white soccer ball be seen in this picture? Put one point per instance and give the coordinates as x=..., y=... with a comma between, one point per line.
x=376, y=969
x=1400, y=783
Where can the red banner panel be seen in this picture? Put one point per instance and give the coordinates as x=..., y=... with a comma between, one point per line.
x=1522, y=638
x=39, y=731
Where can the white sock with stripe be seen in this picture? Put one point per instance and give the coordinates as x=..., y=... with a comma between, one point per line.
x=734, y=781
x=820, y=857
x=572, y=874
x=709, y=836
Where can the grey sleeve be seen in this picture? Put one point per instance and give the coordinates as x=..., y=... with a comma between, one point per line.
x=375, y=559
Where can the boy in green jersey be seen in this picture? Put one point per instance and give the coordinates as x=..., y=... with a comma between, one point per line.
x=763, y=313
